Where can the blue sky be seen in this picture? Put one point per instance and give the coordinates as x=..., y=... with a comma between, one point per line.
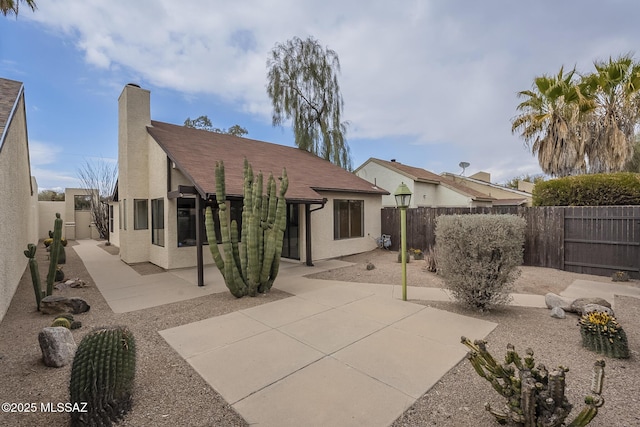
x=429, y=83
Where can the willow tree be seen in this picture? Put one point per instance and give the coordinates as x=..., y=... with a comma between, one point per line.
x=303, y=86
x=550, y=121
x=615, y=90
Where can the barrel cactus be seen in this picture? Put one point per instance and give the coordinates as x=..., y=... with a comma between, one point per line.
x=61, y=321
x=535, y=396
x=603, y=334
x=35, y=274
x=250, y=265
x=102, y=375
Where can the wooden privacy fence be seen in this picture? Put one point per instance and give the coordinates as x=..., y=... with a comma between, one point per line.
x=594, y=240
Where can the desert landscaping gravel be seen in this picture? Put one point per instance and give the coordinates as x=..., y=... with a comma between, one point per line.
x=168, y=392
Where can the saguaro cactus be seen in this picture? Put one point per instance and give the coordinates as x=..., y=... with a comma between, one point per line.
x=102, y=376
x=535, y=396
x=54, y=254
x=251, y=265
x=603, y=334
x=35, y=274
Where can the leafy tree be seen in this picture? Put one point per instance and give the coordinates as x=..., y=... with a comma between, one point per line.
x=303, y=86
x=204, y=123
x=614, y=89
x=11, y=7
x=99, y=178
x=550, y=122
x=633, y=164
x=50, y=195
x=534, y=179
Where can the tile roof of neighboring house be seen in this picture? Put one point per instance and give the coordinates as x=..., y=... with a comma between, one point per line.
x=195, y=153
x=9, y=93
x=417, y=174
x=488, y=184
x=510, y=202
x=423, y=175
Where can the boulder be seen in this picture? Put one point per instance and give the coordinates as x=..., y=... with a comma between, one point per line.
x=557, y=313
x=596, y=307
x=553, y=300
x=57, y=345
x=577, y=306
x=54, y=304
x=370, y=266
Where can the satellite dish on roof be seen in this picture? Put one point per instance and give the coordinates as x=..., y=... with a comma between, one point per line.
x=463, y=165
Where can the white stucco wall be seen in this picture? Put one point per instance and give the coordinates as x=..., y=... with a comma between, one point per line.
x=324, y=246
x=47, y=215
x=18, y=210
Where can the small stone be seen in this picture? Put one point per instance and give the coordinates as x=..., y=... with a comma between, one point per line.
x=57, y=345
x=577, y=306
x=596, y=307
x=370, y=266
x=553, y=300
x=557, y=313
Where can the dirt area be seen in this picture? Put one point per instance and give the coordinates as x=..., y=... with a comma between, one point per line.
x=532, y=280
x=168, y=392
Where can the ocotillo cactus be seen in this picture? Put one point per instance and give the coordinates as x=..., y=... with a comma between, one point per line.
x=53, y=255
x=249, y=266
x=535, y=397
x=603, y=334
x=35, y=274
x=102, y=376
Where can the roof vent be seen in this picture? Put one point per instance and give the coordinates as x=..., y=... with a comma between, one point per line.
x=393, y=160
x=133, y=84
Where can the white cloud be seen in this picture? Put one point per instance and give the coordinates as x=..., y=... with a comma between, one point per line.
x=49, y=166
x=428, y=71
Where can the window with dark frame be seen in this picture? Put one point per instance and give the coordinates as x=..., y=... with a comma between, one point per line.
x=348, y=219
x=157, y=222
x=186, y=217
x=140, y=214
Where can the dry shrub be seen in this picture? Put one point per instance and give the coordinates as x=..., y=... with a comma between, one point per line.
x=478, y=257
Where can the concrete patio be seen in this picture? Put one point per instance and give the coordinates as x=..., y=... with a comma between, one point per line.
x=334, y=353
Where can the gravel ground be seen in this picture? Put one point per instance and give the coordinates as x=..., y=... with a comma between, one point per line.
x=169, y=392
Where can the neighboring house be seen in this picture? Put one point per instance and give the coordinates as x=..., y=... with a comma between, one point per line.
x=166, y=178
x=504, y=196
x=18, y=191
x=429, y=189
x=75, y=212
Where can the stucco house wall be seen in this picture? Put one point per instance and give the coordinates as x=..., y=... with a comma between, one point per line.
x=18, y=192
x=47, y=215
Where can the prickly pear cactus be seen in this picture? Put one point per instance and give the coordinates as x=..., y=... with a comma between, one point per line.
x=102, y=375
x=55, y=253
x=603, y=334
x=250, y=265
x=535, y=396
x=35, y=274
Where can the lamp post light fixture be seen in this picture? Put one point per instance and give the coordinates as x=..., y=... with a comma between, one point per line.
x=403, y=198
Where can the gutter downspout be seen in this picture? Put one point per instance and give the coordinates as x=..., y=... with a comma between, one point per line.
x=307, y=229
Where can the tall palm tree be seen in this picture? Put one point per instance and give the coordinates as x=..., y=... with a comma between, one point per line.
x=550, y=123
x=10, y=7
x=615, y=90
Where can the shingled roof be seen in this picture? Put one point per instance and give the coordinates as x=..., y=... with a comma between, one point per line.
x=9, y=94
x=195, y=153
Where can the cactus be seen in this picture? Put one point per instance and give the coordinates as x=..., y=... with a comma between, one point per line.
x=61, y=321
x=102, y=375
x=55, y=252
x=535, y=396
x=620, y=276
x=35, y=274
x=249, y=266
x=603, y=334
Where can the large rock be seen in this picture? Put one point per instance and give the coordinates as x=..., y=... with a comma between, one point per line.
x=596, y=307
x=558, y=313
x=577, y=306
x=57, y=345
x=553, y=300
x=54, y=304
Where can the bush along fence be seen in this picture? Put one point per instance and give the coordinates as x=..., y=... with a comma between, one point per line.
x=597, y=240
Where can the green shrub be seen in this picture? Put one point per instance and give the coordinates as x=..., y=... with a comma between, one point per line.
x=478, y=257
x=605, y=189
